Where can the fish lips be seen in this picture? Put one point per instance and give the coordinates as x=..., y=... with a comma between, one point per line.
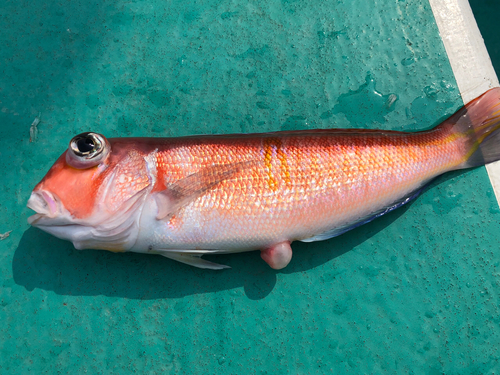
x=114, y=232
x=48, y=208
x=53, y=218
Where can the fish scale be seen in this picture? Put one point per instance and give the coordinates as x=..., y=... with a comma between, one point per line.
x=354, y=170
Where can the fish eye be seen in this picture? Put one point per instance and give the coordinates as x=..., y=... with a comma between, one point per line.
x=85, y=145
x=87, y=150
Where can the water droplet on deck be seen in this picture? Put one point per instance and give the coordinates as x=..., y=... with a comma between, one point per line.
x=407, y=61
x=294, y=123
x=364, y=104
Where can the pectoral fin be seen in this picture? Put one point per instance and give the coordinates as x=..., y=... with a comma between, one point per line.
x=195, y=185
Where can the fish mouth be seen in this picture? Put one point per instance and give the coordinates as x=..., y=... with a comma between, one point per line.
x=45, y=204
x=117, y=231
x=52, y=217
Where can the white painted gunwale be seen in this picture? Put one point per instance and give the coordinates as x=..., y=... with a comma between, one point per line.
x=468, y=57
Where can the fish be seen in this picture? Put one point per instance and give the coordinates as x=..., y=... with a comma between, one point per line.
x=185, y=197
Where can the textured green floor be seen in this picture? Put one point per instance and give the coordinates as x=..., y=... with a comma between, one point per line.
x=413, y=292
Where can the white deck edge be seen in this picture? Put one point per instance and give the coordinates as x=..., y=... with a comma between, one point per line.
x=468, y=57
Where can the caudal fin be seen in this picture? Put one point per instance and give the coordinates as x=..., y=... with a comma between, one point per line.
x=478, y=124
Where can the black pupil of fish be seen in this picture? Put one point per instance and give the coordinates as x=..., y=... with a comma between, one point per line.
x=85, y=144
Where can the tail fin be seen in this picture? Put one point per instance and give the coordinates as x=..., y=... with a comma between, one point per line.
x=479, y=123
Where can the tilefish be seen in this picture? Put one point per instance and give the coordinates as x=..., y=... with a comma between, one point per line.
x=186, y=197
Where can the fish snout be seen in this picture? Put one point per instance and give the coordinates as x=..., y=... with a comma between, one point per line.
x=44, y=203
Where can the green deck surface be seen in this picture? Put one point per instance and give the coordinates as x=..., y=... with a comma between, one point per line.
x=415, y=291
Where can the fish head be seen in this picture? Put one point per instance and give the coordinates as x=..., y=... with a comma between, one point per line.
x=94, y=193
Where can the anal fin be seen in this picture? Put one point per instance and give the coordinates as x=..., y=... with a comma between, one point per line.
x=334, y=232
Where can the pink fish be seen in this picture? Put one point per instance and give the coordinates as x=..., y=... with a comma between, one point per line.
x=185, y=197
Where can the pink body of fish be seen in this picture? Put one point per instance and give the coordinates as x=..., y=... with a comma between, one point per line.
x=185, y=197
